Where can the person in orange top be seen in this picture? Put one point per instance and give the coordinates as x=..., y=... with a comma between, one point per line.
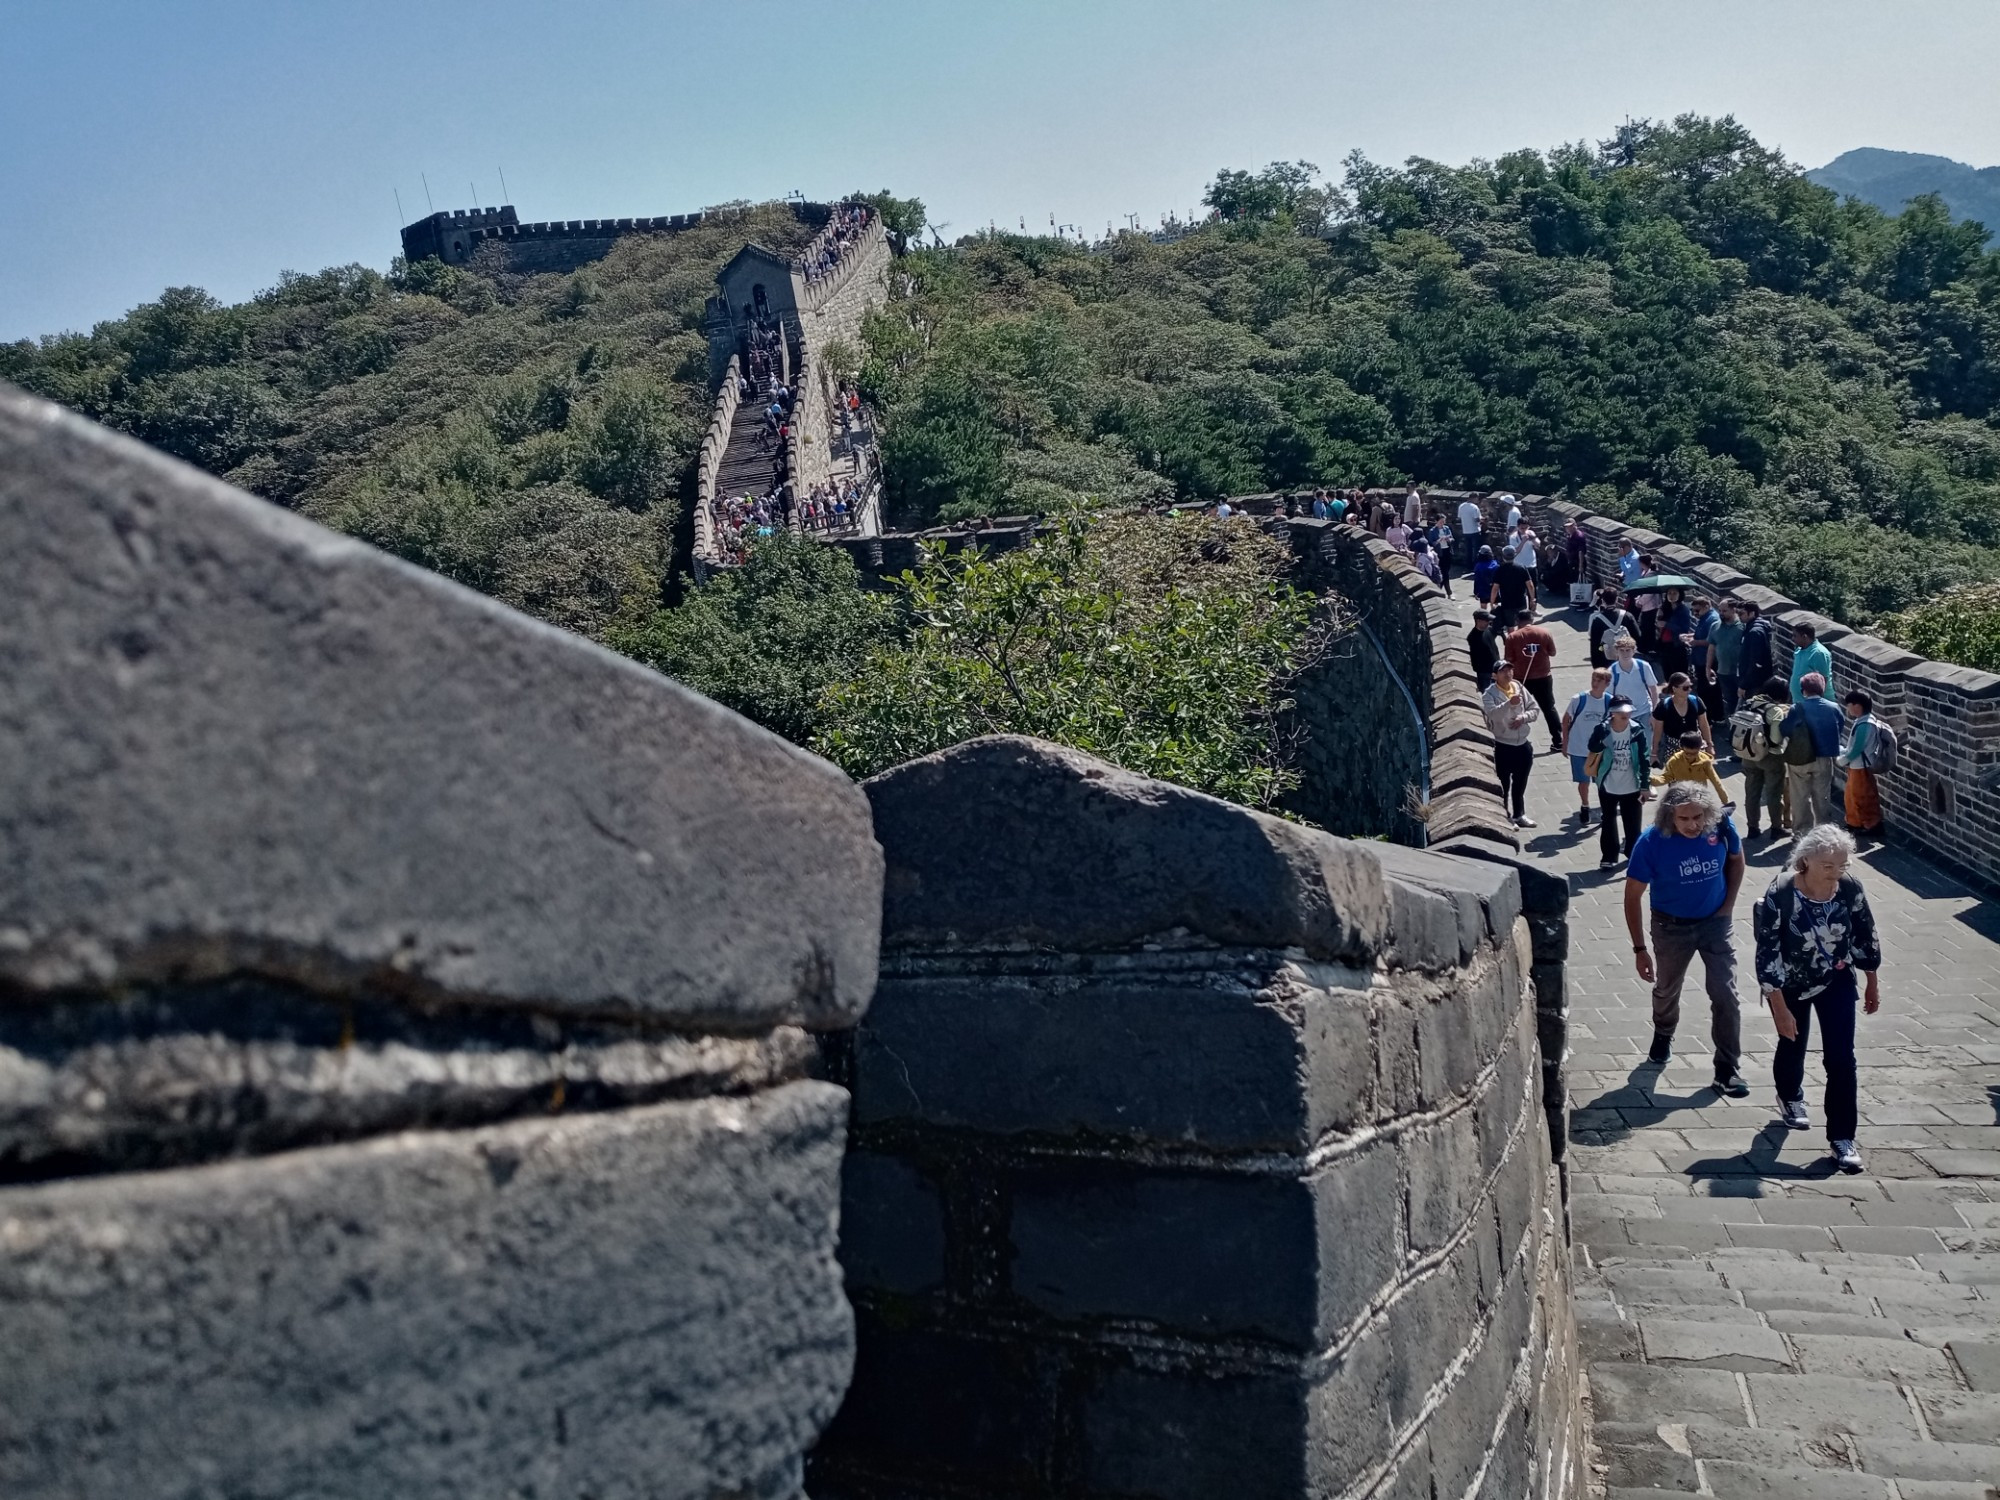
x=1532, y=650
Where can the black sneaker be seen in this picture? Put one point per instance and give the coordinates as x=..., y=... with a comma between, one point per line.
x=1733, y=1085
x=1663, y=1047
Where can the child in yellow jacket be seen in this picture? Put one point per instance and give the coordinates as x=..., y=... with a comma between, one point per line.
x=1692, y=763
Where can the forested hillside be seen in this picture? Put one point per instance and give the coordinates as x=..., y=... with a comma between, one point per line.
x=528, y=436
x=1677, y=325
x=1890, y=179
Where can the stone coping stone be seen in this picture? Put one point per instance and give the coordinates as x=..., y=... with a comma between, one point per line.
x=1010, y=840
x=1825, y=629
x=1484, y=897
x=1883, y=656
x=634, y=1302
x=233, y=741
x=1963, y=682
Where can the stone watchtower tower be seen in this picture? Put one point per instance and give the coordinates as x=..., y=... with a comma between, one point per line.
x=448, y=236
x=757, y=287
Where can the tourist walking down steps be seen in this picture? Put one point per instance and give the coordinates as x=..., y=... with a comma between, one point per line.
x=1814, y=930
x=1691, y=860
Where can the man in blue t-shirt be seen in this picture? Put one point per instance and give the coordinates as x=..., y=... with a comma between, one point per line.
x=1692, y=860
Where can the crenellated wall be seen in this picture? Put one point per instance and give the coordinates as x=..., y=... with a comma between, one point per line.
x=1944, y=795
x=714, y=443
x=455, y=236
x=1195, y=1153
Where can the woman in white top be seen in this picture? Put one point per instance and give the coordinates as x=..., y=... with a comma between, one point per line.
x=1585, y=712
x=1634, y=678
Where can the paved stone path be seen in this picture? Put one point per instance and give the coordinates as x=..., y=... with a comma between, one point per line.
x=1756, y=1324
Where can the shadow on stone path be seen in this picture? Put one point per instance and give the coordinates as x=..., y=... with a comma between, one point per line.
x=1754, y=1323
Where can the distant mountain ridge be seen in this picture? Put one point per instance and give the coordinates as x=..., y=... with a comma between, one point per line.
x=1889, y=179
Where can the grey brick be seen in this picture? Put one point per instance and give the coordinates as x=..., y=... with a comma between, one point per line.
x=1644, y=1393
x=1828, y=1406
x=1720, y=1346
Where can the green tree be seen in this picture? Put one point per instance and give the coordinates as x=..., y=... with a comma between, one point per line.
x=769, y=637
x=1165, y=645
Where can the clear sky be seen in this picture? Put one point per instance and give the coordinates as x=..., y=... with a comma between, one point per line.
x=216, y=142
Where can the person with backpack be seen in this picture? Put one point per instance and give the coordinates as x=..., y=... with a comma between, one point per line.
x=1617, y=762
x=1869, y=755
x=1633, y=678
x=1757, y=735
x=1812, y=740
x=1607, y=622
x=1586, y=711
x=1814, y=931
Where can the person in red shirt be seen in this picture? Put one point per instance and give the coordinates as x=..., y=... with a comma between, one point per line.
x=1532, y=650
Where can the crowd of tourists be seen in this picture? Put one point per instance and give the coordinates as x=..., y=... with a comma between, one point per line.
x=833, y=243
x=1679, y=680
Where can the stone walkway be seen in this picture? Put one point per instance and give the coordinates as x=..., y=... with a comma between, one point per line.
x=1756, y=1324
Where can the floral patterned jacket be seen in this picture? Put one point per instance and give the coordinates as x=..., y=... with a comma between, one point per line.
x=1802, y=945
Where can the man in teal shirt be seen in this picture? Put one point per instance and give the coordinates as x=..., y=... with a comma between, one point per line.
x=1725, y=651
x=1808, y=656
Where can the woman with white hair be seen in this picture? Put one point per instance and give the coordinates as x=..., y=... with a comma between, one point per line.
x=1814, y=929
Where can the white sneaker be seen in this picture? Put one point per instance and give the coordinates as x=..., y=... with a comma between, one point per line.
x=1847, y=1156
x=1608, y=864
x=1795, y=1113
x=1524, y=821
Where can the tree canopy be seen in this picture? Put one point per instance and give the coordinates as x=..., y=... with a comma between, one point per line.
x=1674, y=325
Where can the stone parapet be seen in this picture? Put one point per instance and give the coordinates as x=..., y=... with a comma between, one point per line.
x=401, y=1088
x=1205, y=1157
x=708, y=469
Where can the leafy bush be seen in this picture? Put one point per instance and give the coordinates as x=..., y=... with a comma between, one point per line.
x=1163, y=644
x=1961, y=625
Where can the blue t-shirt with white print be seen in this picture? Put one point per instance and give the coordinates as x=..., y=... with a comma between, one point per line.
x=1685, y=874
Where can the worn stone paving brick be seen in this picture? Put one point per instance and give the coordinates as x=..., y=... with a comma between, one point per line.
x=1733, y=1481
x=1960, y=1416
x=1847, y=1325
x=1830, y=1406
x=1935, y=1460
x=1826, y=1212
x=1887, y=1240
x=1692, y=1312
x=1784, y=1299
x=1690, y=1234
x=1979, y=1362
x=1873, y=1359
x=1654, y=1393
x=1714, y=1345
x=1780, y=1236
x=1914, y=1215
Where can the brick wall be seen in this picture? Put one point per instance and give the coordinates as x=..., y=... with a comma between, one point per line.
x=1195, y=1153
x=1944, y=796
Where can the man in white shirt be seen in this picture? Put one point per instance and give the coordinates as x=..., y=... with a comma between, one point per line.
x=1413, y=507
x=1513, y=512
x=1633, y=678
x=1471, y=526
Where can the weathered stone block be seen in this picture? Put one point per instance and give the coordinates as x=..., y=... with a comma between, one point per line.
x=893, y=1234
x=233, y=741
x=1279, y=1063
x=1013, y=840
x=641, y=1303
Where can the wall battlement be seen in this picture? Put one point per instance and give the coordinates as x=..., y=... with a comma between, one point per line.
x=454, y=236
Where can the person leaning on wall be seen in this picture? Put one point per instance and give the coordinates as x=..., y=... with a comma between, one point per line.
x=1814, y=931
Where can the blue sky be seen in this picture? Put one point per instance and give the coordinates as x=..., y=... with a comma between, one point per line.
x=216, y=142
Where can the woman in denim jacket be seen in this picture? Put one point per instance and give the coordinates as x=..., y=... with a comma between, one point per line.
x=1814, y=930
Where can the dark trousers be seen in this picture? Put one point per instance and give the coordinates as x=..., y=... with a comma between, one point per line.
x=1764, y=785
x=1676, y=943
x=1725, y=690
x=1472, y=545
x=1836, y=1006
x=1513, y=762
x=1543, y=691
x=1618, y=809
